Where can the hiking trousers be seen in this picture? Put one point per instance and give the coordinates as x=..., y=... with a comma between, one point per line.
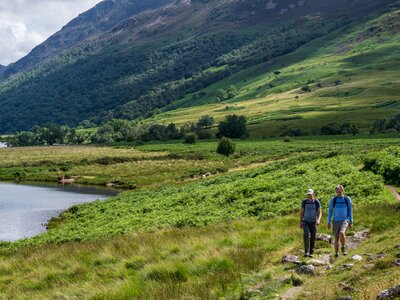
x=310, y=235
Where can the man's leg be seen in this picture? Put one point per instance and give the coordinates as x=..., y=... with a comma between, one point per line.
x=336, y=245
x=336, y=230
x=306, y=238
x=342, y=236
x=313, y=232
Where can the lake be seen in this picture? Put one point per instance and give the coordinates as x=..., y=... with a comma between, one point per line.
x=25, y=208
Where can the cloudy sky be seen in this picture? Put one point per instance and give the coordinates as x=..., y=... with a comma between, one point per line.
x=26, y=23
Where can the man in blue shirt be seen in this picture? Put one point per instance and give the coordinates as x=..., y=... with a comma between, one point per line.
x=310, y=218
x=341, y=209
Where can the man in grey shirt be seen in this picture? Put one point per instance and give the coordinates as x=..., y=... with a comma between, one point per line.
x=310, y=218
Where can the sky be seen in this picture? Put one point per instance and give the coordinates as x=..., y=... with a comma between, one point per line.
x=25, y=24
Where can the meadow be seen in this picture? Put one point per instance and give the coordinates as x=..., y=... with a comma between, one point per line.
x=154, y=164
x=217, y=238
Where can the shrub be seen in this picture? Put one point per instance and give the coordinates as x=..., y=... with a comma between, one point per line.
x=190, y=138
x=306, y=89
x=204, y=135
x=287, y=139
x=339, y=128
x=388, y=124
x=226, y=147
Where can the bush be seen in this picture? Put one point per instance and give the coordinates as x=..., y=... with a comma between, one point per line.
x=190, y=138
x=295, y=132
x=204, y=135
x=287, y=139
x=226, y=147
x=339, y=128
x=388, y=124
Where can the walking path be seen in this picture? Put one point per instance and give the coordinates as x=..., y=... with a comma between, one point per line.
x=394, y=191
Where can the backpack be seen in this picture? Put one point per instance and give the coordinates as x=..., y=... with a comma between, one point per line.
x=315, y=203
x=346, y=200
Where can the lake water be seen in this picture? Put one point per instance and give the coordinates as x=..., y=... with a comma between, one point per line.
x=25, y=208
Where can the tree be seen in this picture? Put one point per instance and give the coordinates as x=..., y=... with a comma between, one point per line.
x=21, y=139
x=226, y=147
x=233, y=127
x=205, y=121
x=232, y=92
x=221, y=95
x=172, y=132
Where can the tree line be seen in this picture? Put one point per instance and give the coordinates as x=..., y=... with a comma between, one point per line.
x=119, y=130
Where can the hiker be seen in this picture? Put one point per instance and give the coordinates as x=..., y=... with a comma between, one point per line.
x=310, y=218
x=340, y=208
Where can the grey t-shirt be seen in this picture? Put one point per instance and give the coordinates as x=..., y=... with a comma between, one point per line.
x=311, y=208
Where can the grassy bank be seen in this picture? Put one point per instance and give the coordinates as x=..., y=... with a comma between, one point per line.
x=210, y=262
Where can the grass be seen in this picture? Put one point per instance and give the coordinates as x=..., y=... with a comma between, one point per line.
x=222, y=260
x=246, y=185
x=172, y=163
x=215, y=238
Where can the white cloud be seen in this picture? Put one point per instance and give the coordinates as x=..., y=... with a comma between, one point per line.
x=26, y=23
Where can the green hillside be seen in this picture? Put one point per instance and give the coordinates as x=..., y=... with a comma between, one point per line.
x=155, y=58
x=352, y=75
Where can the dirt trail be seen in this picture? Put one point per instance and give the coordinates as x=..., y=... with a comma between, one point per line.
x=394, y=191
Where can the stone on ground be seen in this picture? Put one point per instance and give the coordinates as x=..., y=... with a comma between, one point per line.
x=392, y=293
x=291, y=259
x=327, y=238
x=307, y=269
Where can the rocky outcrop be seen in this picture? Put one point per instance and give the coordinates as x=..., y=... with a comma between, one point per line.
x=392, y=293
x=291, y=259
x=307, y=269
x=327, y=238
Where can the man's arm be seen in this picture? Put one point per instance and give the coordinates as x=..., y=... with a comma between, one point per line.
x=319, y=213
x=319, y=216
x=330, y=213
x=301, y=217
x=350, y=213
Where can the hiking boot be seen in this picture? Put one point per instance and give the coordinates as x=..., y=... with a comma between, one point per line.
x=306, y=255
x=311, y=254
x=336, y=255
x=344, y=252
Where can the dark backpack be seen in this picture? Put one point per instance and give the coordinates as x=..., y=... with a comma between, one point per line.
x=346, y=200
x=315, y=203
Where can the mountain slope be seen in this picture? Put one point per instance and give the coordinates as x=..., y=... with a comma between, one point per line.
x=350, y=74
x=95, y=21
x=156, y=57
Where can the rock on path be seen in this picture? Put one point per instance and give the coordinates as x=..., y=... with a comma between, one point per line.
x=392, y=293
x=291, y=259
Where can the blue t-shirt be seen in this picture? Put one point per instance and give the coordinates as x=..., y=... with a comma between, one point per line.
x=311, y=208
x=340, y=212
